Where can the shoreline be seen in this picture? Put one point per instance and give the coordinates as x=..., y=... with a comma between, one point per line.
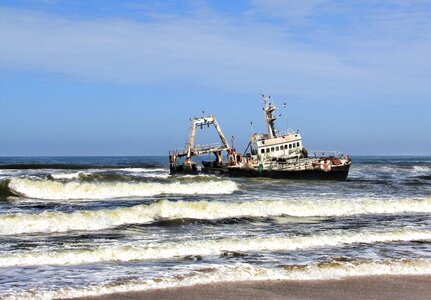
x=361, y=287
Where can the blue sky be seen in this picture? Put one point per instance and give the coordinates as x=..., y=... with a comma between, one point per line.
x=124, y=77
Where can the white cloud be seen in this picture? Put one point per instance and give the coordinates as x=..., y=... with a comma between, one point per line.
x=208, y=49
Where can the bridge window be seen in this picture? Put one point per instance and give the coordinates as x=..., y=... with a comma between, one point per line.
x=267, y=150
x=262, y=150
x=290, y=146
x=272, y=149
x=277, y=148
x=286, y=146
x=297, y=144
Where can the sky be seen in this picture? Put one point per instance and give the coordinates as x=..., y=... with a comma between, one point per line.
x=100, y=77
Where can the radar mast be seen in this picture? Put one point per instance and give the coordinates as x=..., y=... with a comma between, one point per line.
x=269, y=117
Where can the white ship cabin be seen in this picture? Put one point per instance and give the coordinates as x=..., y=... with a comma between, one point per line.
x=275, y=144
x=283, y=146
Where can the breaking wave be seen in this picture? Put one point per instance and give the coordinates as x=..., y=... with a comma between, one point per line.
x=202, y=210
x=54, y=190
x=247, y=272
x=422, y=169
x=75, y=166
x=166, y=250
x=74, y=175
x=143, y=170
x=111, y=174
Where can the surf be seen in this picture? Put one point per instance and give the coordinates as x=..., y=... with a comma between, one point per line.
x=52, y=221
x=178, y=249
x=76, y=190
x=214, y=273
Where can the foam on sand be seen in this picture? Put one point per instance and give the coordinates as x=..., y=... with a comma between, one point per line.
x=246, y=272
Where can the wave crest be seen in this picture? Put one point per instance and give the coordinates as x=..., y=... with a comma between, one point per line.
x=54, y=190
x=203, y=210
x=167, y=250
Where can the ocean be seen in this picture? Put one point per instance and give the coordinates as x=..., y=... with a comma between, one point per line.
x=82, y=226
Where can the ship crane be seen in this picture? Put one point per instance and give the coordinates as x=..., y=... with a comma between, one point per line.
x=194, y=150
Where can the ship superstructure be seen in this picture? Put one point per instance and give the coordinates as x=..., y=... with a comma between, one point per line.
x=275, y=144
x=273, y=154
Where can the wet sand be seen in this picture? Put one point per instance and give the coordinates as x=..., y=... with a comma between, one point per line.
x=370, y=287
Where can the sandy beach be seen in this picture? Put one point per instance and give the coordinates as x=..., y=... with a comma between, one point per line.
x=370, y=287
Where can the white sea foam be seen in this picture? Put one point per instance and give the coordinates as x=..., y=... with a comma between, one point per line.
x=165, y=250
x=48, y=189
x=247, y=272
x=142, y=170
x=422, y=169
x=152, y=175
x=73, y=175
x=205, y=210
x=146, y=172
x=162, y=175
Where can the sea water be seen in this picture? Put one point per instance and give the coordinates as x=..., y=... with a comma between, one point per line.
x=95, y=225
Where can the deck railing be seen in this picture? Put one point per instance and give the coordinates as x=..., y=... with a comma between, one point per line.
x=203, y=147
x=207, y=146
x=286, y=132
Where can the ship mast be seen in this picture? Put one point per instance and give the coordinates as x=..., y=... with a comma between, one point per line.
x=269, y=117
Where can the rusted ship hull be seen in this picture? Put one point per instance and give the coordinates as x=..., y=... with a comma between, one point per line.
x=338, y=173
x=182, y=170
